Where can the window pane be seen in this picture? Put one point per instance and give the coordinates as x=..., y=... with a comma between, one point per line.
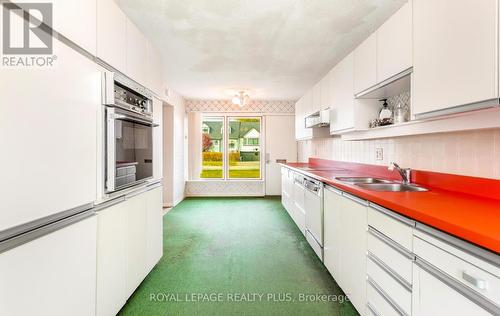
x=212, y=147
x=244, y=148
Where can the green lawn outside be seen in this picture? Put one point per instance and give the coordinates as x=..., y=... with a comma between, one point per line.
x=237, y=170
x=214, y=174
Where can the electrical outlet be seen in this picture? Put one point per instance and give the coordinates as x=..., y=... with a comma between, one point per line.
x=379, y=154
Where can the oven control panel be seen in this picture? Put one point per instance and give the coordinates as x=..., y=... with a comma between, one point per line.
x=132, y=100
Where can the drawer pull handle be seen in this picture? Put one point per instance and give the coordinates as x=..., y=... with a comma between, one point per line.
x=480, y=284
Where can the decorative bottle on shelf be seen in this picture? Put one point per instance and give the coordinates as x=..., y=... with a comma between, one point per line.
x=399, y=113
x=385, y=115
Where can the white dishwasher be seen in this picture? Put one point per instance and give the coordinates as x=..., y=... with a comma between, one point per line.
x=313, y=202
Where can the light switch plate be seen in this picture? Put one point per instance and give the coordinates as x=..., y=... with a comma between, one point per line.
x=379, y=154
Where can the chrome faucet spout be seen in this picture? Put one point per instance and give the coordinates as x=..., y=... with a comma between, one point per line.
x=405, y=173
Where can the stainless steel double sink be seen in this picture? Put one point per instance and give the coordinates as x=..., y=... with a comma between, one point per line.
x=377, y=184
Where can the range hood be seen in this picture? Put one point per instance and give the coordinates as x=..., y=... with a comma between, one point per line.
x=318, y=119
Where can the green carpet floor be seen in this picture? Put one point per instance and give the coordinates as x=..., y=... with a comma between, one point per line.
x=236, y=256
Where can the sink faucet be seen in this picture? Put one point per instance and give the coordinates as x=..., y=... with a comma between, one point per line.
x=404, y=172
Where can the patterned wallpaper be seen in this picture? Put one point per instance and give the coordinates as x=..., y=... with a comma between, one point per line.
x=225, y=188
x=258, y=106
x=403, y=97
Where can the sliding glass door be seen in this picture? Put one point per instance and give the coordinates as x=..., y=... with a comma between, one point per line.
x=231, y=147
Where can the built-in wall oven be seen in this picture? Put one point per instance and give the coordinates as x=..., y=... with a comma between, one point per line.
x=128, y=133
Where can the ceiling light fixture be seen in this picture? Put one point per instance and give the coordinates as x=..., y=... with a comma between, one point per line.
x=241, y=98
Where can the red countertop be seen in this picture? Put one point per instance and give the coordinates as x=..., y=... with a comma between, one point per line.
x=465, y=207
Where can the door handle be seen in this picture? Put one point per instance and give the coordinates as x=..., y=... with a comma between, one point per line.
x=268, y=158
x=480, y=284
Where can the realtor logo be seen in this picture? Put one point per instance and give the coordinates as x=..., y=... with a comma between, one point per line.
x=27, y=35
x=32, y=35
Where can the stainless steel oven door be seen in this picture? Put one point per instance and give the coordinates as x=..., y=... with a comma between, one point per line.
x=129, y=149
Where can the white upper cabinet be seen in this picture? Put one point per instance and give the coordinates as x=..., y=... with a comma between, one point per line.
x=303, y=108
x=60, y=124
x=298, y=108
x=394, y=44
x=365, y=64
x=346, y=112
x=70, y=15
x=137, y=52
x=316, y=98
x=154, y=71
x=342, y=110
x=326, y=100
x=111, y=34
x=454, y=53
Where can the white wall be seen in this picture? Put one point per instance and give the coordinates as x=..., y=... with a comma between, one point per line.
x=177, y=151
x=471, y=153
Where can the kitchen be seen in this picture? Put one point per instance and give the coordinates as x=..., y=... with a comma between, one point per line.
x=174, y=158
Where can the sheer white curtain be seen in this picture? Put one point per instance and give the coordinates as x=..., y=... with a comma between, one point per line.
x=194, y=145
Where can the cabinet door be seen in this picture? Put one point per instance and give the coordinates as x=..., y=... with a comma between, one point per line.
x=454, y=53
x=342, y=113
x=111, y=259
x=155, y=70
x=48, y=123
x=394, y=40
x=52, y=275
x=429, y=293
x=158, y=139
x=111, y=34
x=154, y=218
x=298, y=114
x=316, y=98
x=353, y=251
x=326, y=92
x=136, y=54
x=333, y=234
x=365, y=64
x=307, y=110
x=70, y=15
x=136, y=242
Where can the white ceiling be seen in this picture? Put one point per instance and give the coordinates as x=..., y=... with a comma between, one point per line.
x=275, y=48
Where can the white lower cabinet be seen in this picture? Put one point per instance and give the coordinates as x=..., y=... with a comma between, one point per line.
x=389, y=262
x=51, y=275
x=444, y=273
x=436, y=298
x=129, y=244
x=298, y=208
x=388, y=267
x=293, y=197
x=332, y=232
x=286, y=188
x=154, y=223
x=136, y=242
x=345, y=244
x=111, y=259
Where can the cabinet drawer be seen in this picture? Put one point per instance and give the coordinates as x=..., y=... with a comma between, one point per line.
x=385, y=222
x=377, y=304
x=393, y=257
x=485, y=283
x=399, y=294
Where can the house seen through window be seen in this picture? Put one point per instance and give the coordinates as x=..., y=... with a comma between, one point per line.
x=243, y=158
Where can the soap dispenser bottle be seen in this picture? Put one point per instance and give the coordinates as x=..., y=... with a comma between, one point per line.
x=385, y=112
